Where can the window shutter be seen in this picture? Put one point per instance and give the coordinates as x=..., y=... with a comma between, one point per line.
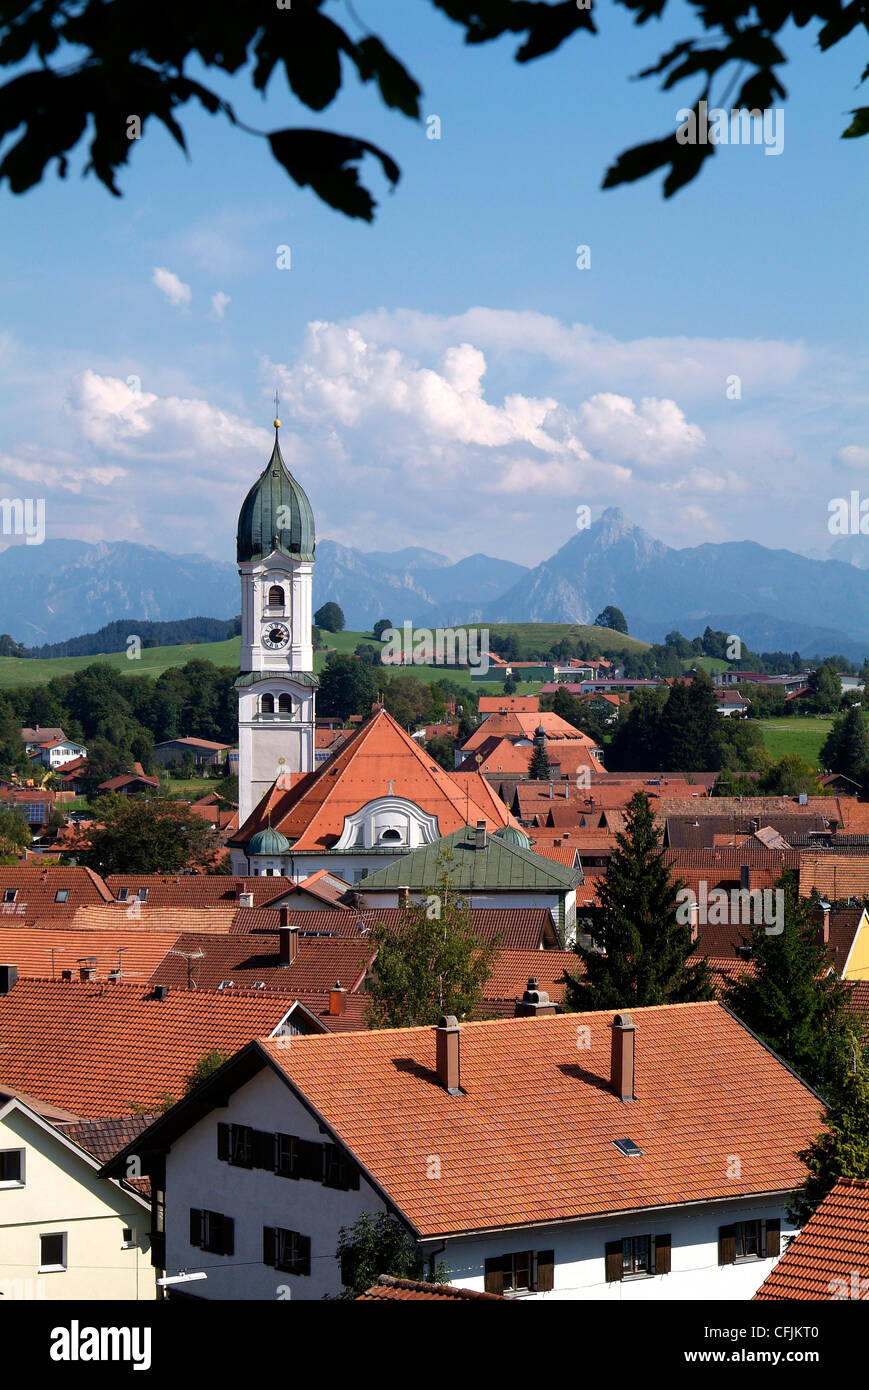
x=773, y=1238
x=223, y=1142
x=195, y=1226
x=310, y=1160
x=545, y=1271
x=227, y=1236
x=263, y=1150
x=614, y=1263
x=726, y=1245
x=269, y=1246
x=493, y=1281
x=662, y=1254
x=303, y=1255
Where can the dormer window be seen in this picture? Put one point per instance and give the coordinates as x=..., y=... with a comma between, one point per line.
x=390, y=836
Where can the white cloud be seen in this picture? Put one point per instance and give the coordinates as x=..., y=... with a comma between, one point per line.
x=175, y=290
x=853, y=456
x=219, y=302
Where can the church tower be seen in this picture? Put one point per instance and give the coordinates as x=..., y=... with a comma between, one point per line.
x=275, y=554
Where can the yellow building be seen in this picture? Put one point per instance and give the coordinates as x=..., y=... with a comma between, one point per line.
x=65, y=1233
x=857, y=964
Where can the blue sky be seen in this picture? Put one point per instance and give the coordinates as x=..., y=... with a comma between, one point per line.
x=449, y=378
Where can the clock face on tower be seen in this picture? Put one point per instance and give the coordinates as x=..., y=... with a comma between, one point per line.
x=275, y=636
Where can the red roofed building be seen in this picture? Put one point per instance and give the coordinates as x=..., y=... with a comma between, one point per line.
x=377, y=797
x=830, y=1257
x=580, y=1156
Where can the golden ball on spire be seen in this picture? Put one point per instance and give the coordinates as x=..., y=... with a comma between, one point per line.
x=277, y=424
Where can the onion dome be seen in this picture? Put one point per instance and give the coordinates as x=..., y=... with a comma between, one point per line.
x=276, y=514
x=268, y=841
x=514, y=836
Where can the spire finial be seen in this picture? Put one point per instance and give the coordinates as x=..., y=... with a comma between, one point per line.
x=277, y=421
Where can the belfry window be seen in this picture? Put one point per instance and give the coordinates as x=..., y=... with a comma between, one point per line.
x=267, y=704
x=285, y=704
x=276, y=596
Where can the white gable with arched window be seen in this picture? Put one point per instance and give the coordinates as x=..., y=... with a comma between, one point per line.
x=389, y=822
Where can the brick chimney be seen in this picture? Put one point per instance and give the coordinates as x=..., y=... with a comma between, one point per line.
x=623, y=1031
x=239, y=889
x=336, y=1000
x=87, y=972
x=8, y=978
x=288, y=939
x=480, y=835
x=745, y=877
x=823, y=911
x=403, y=896
x=535, y=1002
x=447, y=1054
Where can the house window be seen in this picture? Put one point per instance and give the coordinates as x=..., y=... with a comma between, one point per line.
x=143, y=895
x=52, y=1253
x=749, y=1240
x=391, y=836
x=10, y=894
x=123, y=894
x=524, y=1271
x=637, y=1257
x=298, y=1158
x=211, y=1231
x=62, y=895
x=11, y=1167
x=286, y=1250
x=338, y=1170
x=128, y=1238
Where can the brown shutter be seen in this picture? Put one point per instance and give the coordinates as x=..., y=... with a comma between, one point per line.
x=726, y=1245
x=545, y=1270
x=264, y=1150
x=195, y=1226
x=223, y=1142
x=227, y=1236
x=269, y=1246
x=310, y=1160
x=493, y=1281
x=662, y=1254
x=303, y=1255
x=773, y=1238
x=614, y=1262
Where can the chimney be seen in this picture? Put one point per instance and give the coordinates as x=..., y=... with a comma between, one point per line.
x=480, y=835
x=66, y=975
x=745, y=877
x=161, y=991
x=336, y=1000
x=824, y=924
x=447, y=1054
x=403, y=896
x=87, y=972
x=535, y=1003
x=622, y=1056
x=551, y=792
x=8, y=978
x=288, y=938
x=239, y=889
x=693, y=925
x=245, y=899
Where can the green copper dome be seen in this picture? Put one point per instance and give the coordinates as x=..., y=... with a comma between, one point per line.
x=276, y=515
x=514, y=836
x=268, y=841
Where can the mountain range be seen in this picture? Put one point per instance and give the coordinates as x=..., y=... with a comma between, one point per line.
x=773, y=599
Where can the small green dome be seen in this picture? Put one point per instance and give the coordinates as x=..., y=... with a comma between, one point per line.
x=514, y=836
x=268, y=841
x=274, y=495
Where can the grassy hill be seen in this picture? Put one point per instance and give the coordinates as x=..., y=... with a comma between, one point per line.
x=154, y=661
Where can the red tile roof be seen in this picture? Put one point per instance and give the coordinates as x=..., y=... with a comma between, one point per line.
x=135, y=917
x=532, y=1137
x=37, y=885
x=513, y=969
x=518, y=928
x=377, y=756
x=514, y=725
x=508, y=704
x=98, y=1048
x=321, y=960
x=197, y=890
x=43, y=952
x=830, y=1256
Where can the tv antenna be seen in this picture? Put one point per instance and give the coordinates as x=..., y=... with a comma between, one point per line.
x=189, y=956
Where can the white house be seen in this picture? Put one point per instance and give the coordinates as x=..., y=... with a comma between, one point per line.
x=577, y=1156
x=65, y=1232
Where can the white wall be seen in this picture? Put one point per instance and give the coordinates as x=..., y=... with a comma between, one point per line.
x=579, y=1255
x=62, y=1193
x=254, y=1198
